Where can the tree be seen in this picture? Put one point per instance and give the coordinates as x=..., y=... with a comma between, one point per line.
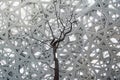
x=62, y=25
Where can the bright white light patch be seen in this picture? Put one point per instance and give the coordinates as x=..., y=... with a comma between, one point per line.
x=114, y=40
x=94, y=61
x=14, y=31
x=118, y=54
x=22, y=70
x=106, y=54
x=72, y=38
x=91, y=1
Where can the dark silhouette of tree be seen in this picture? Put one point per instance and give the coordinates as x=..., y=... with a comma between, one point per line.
x=63, y=27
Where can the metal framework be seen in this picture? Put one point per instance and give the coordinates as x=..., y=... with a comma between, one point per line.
x=90, y=34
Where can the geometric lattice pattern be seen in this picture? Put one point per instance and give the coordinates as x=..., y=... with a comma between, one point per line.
x=90, y=52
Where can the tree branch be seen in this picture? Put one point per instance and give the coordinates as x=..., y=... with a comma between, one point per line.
x=44, y=42
x=50, y=29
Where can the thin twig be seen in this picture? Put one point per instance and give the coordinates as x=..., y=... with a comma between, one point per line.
x=47, y=64
x=44, y=42
x=50, y=29
x=56, y=16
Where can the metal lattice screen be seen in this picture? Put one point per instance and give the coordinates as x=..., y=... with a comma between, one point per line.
x=90, y=52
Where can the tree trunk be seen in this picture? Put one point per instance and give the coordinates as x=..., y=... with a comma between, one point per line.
x=56, y=69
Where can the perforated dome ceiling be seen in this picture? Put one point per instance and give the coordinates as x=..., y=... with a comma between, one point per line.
x=90, y=52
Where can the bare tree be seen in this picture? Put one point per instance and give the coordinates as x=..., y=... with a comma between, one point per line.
x=59, y=28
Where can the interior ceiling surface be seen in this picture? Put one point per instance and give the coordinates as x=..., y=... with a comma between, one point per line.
x=90, y=52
